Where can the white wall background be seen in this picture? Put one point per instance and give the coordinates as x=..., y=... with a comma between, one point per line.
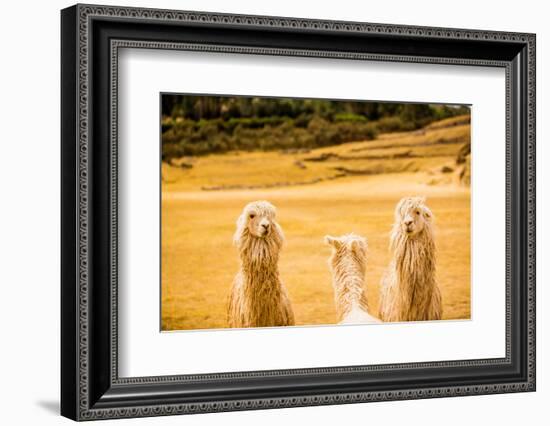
x=29, y=211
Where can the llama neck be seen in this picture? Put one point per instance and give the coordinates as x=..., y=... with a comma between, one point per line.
x=414, y=262
x=348, y=281
x=259, y=259
x=262, y=289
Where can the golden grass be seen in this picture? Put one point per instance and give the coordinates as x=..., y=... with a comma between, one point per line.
x=199, y=261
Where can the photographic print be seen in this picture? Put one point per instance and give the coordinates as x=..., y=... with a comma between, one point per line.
x=307, y=212
x=274, y=184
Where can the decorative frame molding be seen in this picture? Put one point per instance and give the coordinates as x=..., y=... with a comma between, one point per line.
x=91, y=388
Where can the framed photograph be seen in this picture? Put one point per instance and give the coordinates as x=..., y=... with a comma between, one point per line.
x=263, y=212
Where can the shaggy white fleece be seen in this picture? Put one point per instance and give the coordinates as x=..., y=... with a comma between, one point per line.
x=258, y=297
x=347, y=264
x=409, y=291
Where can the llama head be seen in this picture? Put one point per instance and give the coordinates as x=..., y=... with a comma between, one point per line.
x=347, y=249
x=258, y=221
x=412, y=216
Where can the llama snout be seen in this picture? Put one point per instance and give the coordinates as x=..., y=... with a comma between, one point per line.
x=408, y=224
x=264, y=227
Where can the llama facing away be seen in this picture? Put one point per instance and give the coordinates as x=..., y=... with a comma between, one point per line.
x=258, y=297
x=347, y=264
x=409, y=291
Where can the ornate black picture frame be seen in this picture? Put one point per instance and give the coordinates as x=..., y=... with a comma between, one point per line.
x=91, y=36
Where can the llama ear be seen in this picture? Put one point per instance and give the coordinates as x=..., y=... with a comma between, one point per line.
x=400, y=203
x=280, y=232
x=333, y=241
x=399, y=206
x=428, y=213
x=237, y=237
x=356, y=246
x=241, y=223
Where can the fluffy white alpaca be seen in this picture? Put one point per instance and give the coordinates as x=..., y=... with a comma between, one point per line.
x=409, y=291
x=258, y=297
x=347, y=264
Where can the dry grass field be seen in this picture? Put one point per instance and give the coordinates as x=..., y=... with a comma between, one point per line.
x=347, y=188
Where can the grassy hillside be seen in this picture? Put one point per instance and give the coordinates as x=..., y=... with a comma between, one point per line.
x=418, y=151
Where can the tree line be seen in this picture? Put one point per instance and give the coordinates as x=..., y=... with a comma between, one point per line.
x=199, y=125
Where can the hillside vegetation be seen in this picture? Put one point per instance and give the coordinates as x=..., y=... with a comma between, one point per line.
x=433, y=150
x=202, y=125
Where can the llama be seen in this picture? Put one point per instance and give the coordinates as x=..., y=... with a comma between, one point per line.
x=347, y=264
x=258, y=297
x=409, y=291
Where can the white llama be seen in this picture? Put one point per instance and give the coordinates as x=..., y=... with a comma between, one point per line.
x=258, y=297
x=347, y=264
x=409, y=291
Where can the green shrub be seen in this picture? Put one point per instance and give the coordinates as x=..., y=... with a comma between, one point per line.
x=188, y=137
x=347, y=116
x=390, y=124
